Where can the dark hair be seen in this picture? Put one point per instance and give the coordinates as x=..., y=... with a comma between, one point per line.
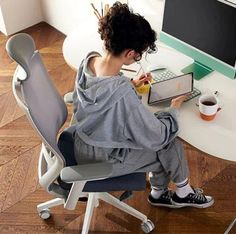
x=121, y=29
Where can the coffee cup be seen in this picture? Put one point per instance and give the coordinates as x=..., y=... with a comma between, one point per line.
x=145, y=87
x=208, y=106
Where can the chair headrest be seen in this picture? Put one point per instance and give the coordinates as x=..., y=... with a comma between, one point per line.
x=21, y=48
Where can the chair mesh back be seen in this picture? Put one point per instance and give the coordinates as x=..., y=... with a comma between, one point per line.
x=47, y=109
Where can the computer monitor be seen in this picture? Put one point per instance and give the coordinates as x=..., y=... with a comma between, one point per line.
x=205, y=30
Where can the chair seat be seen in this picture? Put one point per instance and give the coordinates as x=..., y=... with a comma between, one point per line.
x=132, y=182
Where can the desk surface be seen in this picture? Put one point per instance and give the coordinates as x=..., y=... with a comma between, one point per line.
x=218, y=137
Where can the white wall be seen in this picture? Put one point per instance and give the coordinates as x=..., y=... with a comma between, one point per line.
x=152, y=10
x=66, y=14
x=20, y=14
x=2, y=24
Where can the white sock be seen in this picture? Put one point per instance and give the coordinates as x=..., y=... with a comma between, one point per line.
x=156, y=192
x=183, y=188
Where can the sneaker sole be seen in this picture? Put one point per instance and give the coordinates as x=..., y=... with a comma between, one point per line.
x=205, y=205
x=164, y=205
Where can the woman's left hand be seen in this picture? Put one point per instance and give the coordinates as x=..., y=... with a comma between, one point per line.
x=142, y=79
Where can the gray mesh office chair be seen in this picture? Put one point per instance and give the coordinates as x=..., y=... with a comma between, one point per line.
x=57, y=169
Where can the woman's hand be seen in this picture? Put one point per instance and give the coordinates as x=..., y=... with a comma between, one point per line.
x=177, y=102
x=142, y=79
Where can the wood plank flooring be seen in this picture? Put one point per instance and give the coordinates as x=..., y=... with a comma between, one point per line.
x=19, y=150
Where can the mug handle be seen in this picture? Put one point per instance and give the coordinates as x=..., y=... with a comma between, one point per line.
x=220, y=103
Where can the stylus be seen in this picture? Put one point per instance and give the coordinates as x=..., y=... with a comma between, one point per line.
x=142, y=69
x=145, y=74
x=149, y=83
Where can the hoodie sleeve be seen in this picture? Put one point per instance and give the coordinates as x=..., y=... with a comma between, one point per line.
x=152, y=131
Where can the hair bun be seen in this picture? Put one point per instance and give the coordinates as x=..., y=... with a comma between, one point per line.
x=119, y=9
x=121, y=29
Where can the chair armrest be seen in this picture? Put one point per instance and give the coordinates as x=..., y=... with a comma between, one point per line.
x=94, y=171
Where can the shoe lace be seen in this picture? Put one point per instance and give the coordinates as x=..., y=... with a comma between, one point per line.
x=168, y=194
x=198, y=195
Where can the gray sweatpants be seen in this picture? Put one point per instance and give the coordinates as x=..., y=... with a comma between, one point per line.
x=168, y=164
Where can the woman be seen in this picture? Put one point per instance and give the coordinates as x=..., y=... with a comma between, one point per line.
x=114, y=125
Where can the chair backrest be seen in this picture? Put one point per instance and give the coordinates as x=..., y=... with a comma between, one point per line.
x=35, y=92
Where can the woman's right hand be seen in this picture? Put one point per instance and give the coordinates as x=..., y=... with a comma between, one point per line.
x=142, y=79
x=177, y=102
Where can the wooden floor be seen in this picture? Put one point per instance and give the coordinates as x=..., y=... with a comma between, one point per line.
x=19, y=151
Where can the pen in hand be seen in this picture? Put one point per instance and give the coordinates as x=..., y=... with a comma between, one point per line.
x=149, y=83
x=145, y=74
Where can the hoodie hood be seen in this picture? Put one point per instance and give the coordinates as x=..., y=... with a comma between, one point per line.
x=100, y=107
x=97, y=94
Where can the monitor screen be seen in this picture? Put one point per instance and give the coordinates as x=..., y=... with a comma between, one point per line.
x=208, y=25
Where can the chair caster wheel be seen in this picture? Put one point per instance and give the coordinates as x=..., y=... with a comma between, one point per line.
x=45, y=214
x=148, y=226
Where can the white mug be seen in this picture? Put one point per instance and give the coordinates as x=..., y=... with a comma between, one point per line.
x=208, y=106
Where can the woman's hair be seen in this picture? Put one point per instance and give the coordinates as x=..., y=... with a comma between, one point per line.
x=121, y=29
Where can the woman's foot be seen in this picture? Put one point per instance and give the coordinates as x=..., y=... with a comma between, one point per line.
x=196, y=199
x=163, y=200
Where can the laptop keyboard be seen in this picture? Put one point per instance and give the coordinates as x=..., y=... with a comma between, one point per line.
x=166, y=75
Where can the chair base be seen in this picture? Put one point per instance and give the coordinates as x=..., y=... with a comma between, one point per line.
x=93, y=201
x=230, y=226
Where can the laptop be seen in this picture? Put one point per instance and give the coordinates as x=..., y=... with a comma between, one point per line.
x=165, y=90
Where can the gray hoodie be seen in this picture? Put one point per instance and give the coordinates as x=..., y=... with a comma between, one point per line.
x=111, y=116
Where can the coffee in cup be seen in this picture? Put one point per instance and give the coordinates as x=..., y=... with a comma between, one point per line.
x=208, y=106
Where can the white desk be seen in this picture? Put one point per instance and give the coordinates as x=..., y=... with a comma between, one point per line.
x=218, y=137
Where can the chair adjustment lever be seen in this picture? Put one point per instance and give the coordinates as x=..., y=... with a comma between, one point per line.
x=126, y=195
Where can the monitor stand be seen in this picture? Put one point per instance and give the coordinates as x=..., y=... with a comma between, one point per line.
x=198, y=69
